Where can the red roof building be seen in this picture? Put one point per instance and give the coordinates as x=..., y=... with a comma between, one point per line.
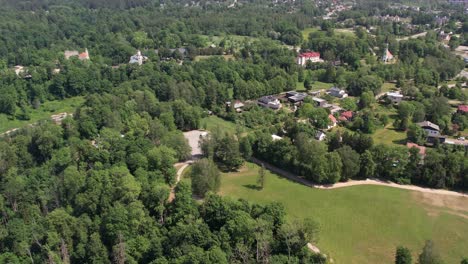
x=462, y=109
x=422, y=149
x=346, y=116
x=332, y=120
x=308, y=56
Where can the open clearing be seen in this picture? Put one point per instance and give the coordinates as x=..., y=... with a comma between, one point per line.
x=371, y=220
x=43, y=112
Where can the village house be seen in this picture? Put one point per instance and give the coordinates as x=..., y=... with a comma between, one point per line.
x=462, y=109
x=303, y=58
x=333, y=121
x=270, y=102
x=395, y=97
x=276, y=137
x=431, y=129
x=320, y=136
x=81, y=56
x=138, y=58
x=444, y=37
x=238, y=105
x=295, y=97
x=337, y=92
x=346, y=116
x=319, y=102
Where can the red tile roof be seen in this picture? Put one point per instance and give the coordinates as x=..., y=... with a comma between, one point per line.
x=463, y=108
x=332, y=118
x=347, y=115
x=422, y=149
x=310, y=54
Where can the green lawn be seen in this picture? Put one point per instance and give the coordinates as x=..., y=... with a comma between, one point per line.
x=315, y=86
x=387, y=87
x=43, y=112
x=204, y=57
x=388, y=135
x=212, y=123
x=360, y=224
x=341, y=31
x=306, y=32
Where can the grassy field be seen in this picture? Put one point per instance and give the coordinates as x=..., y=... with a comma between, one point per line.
x=204, y=57
x=315, y=86
x=363, y=224
x=387, y=87
x=43, y=112
x=388, y=135
x=341, y=31
x=213, y=123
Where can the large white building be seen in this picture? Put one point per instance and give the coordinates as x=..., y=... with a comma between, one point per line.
x=303, y=58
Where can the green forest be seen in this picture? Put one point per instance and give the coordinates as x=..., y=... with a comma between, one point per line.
x=99, y=186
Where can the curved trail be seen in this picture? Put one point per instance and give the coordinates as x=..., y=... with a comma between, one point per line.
x=301, y=180
x=180, y=171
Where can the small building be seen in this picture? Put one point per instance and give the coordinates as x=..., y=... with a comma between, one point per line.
x=333, y=121
x=316, y=93
x=276, y=137
x=422, y=149
x=387, y=55
x=319, y=101
x=431, y=129
x=462, y=109
x=297, y=98
x=337, y=92
x=320, y=136
x=74, y=53
x=346, y=116
x=238, y=105
x=270, y=102
x=395, y=97
x=138, y=58
x=444, y=37
x=19, y=70
x=335, y=109
x=304, y=57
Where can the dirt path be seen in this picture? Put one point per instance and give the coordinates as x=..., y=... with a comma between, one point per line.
x=180, y=171
x=301, y=180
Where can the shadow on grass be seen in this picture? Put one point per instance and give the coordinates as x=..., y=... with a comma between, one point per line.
x=252, y=187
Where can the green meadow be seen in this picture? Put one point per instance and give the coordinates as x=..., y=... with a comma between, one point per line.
x=363, y=224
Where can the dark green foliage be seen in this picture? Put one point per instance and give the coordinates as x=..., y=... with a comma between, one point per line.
x=403, y=256
x=205, y=177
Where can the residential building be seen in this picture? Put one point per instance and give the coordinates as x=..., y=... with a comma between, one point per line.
x=395, y=97
x=303, y=58
x=333, y=121
x=138, y=58
x=422, y=149
x=319, y=101
x=276, y=137
x=297, y=98
x=270, y=102
x=337, y=92
x=462, y=109
x=74, y=53
x=444, y=37
x=346, y=116
x=431, y=129
x=320, y=136
x=238, y=105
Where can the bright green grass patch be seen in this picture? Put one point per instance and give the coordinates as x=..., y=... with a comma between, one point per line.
x=213, y=123
x=387, y=87
x=306, y=32
x=388, y=135
x=359, y=224
x=315, y=86
x=204, y=57
x=43, y=112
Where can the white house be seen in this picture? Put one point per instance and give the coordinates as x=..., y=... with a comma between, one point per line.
x=387, y=55
x=431, y=129
x=395, y=97
x=320, y=136
x=270, y=102
x=138, y=58
x=303, y=58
